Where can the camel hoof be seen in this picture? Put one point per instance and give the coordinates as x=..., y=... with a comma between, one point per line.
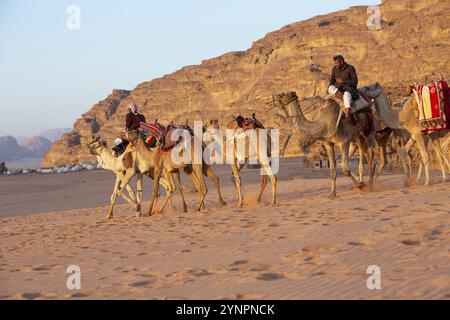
x=361, y=185
x=222, y=203
x=185, y=209
x=332, y=195
x=109, y=217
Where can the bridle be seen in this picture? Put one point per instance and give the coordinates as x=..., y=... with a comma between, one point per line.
x=283, y=104
x=93, y=149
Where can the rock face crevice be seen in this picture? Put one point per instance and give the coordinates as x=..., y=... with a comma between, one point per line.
x=413, y=45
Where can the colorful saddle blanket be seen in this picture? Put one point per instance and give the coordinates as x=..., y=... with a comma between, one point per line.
x=153, y=133
x=166, y=138
x=248, y=123
x=433, y=103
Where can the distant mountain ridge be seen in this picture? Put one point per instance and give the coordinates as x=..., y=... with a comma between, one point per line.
x=20, y=148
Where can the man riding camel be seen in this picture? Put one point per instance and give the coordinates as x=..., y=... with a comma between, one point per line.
x=344, y=82
x=134, y=119
x=132, y=122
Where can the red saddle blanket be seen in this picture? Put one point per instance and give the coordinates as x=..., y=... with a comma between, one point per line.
x=167, y=138
x=153, y=133
x=433, y=102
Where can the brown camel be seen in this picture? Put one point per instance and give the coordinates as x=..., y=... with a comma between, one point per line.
x=239, y=155
x=162, y=163
x=120, y=166
x=326, y=131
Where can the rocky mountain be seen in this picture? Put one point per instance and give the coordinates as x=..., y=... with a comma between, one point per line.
x=412, y=45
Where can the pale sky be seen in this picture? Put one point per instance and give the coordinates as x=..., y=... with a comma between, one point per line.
x=50, y=75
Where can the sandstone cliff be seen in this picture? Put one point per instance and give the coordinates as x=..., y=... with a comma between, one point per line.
x=413, y=45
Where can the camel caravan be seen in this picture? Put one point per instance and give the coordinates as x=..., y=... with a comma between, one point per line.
x=355, y=120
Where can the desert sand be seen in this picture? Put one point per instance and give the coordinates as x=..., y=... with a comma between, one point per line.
x=305, y=247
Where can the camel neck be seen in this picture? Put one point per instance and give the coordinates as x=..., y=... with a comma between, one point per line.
x=106, y=159
x=312, y=129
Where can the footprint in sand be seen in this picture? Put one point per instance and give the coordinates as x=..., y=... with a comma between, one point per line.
x=139, y=284
x=31, y=295
x=355, y=243
x=198, y=272
x=270, y=276
x=411, y=242
x=238, y=263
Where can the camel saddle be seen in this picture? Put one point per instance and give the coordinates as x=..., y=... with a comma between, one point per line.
x=248, y=123
x=361, y=103
x=152, y=133
x=168, y=142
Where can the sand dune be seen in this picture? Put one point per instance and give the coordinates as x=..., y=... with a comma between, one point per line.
x=306, y=247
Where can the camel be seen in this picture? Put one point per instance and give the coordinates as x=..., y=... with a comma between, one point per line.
x=330, y=134
x=444, y=146
x=160, y=161
x=239, y=159
x=406, y=119
x=120, y=166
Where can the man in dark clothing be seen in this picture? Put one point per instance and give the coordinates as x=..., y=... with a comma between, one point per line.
x=344, y=80
x=134, y=119
x=132, y=122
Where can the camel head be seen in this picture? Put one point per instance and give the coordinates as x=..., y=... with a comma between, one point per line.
x=133, y=135
x=96, y=145
x=281, y=100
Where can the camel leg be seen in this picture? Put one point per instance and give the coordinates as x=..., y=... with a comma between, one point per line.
x=440, y=156
x=155, y=193
x=408, y=147
x=215, y=180
x=371, y=162
x=361, y=161
x=424, y=156
x=383, y=160
x=131, y=199
x=237, y=182
x=345, y=168
x=170, y=190
x=113, y=199
x=138, y=194
x=118, y=191
x=273, y=183
x=263, y=186
x=198, y=172
x=406, y=160
x=332, y=160
x=180, y=186
x=165, y=185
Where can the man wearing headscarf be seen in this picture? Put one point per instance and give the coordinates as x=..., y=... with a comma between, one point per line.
x=132, y=122
x=134, y=119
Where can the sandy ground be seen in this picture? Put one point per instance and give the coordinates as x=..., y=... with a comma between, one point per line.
x=305, y=247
